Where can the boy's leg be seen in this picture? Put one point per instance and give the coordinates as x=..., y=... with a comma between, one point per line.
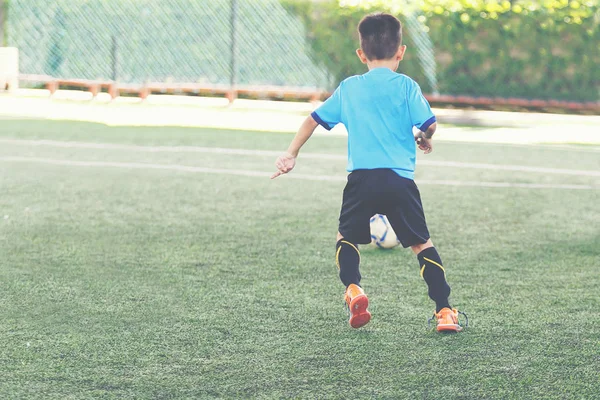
x=434, y=274
x=347, y=259
x=354, y=227
x=354, y=230
x=408, y=220
x=406, y=216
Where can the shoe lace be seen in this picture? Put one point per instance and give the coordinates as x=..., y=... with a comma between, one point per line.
x=429, y=320
x=466, y=318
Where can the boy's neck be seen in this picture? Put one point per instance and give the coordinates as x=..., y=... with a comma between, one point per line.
x=390, y=64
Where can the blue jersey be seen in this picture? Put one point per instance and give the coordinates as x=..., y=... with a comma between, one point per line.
x=379, y=109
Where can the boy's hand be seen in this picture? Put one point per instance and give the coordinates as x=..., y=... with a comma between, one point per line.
x=284, y=163
x=424, y=143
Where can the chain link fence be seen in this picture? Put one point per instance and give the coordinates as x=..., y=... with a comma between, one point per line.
x=480, y=52
x=245, y=42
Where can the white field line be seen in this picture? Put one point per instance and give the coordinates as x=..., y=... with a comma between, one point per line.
x=266, y=175
x=268, y=153
x=585, y=148
x=517, y=168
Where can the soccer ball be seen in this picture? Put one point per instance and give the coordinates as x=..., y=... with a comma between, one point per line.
x=382, y=234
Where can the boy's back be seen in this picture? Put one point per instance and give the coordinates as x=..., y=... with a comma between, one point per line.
x=379, y=110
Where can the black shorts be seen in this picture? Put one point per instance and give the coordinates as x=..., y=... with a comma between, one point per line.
x=382, y=191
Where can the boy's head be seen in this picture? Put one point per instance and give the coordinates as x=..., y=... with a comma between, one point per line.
x=380, y=38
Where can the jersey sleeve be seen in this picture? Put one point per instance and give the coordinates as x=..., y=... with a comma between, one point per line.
x=420, y=112
x=329, y=114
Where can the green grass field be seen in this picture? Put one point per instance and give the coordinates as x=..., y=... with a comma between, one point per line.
x=118, y=281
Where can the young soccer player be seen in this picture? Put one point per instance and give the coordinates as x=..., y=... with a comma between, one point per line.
x=380, y=109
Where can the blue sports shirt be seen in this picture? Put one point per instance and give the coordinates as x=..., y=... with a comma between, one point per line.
x=379, y=110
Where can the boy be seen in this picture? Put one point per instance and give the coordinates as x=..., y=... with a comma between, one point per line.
x=380, y=109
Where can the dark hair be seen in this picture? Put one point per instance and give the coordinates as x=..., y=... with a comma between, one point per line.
x=380, y=36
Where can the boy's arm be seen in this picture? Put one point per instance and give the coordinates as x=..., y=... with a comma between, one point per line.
x=424, y=139
x=287, y=161
x=421, y=116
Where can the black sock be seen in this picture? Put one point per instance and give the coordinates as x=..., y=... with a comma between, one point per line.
x=433, y=272
x=347, y=258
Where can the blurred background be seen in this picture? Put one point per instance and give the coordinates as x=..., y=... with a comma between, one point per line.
x=484, y=53
x=146, y=254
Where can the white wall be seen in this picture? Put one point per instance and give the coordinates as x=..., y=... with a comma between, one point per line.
x=9, y=68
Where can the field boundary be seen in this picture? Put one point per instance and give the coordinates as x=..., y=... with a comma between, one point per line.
x=266, y=175
x=271, y=153
x=286, y=117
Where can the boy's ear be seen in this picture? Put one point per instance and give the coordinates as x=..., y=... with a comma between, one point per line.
x=361, y=55
x=400, y=53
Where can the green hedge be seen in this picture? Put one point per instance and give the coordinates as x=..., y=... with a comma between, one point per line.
x=548, y=49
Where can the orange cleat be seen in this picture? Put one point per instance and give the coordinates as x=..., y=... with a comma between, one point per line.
x=357, y=303
x=447, y=320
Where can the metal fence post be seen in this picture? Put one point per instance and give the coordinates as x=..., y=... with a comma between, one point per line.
x=57, y=53
x=114, y=52
x=233, y=66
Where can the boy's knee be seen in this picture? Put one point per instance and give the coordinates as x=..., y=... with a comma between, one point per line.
x=417, y=248
x=339, y=237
